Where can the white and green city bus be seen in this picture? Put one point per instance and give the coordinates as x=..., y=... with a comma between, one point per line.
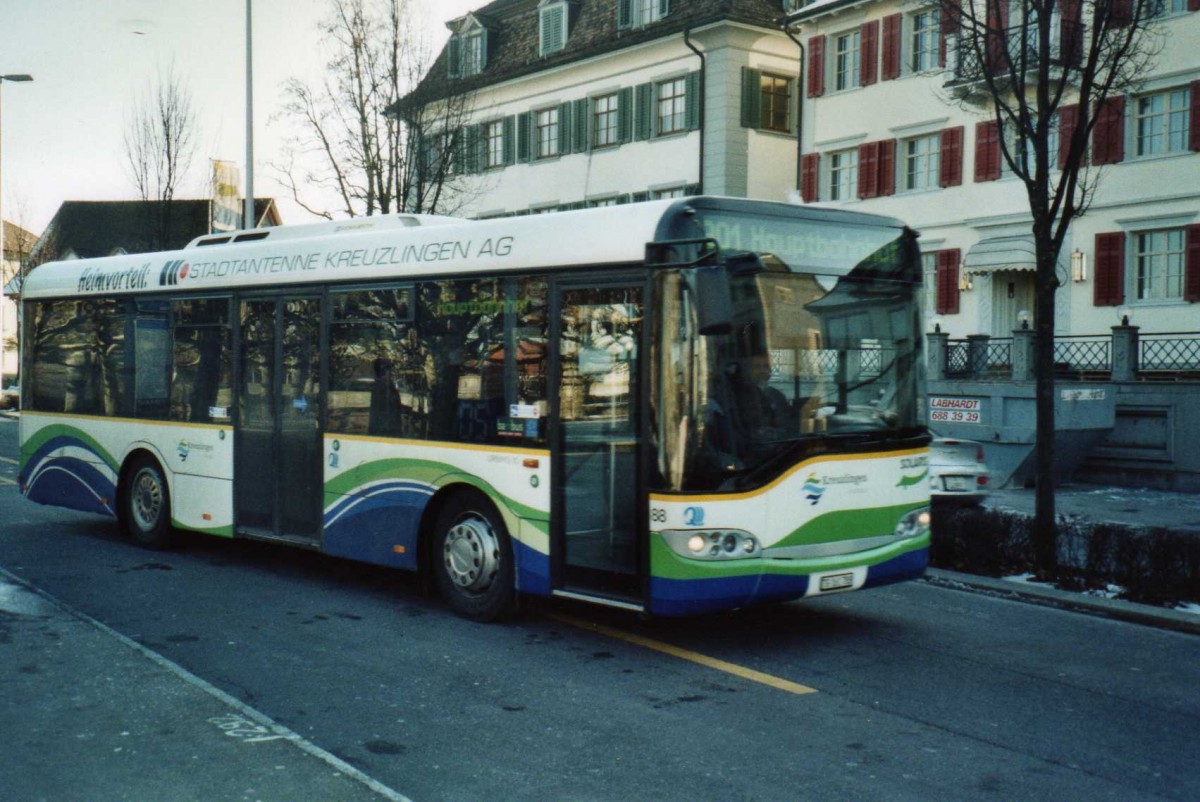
x=672, y=407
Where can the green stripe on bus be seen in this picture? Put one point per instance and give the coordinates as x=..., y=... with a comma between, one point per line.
x=48, y=433
x=847, y=525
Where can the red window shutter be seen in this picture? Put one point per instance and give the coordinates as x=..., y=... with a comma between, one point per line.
x=868, y=170
x=987, y=150
x=870, y=53
x=891, y=46
x=810, y=171
x=887, y=167
x=1068, y=118
x=950, y=168
x=1191, y=274
x=997, y=35
x=1193, y=5
x=1108, y=136
x=949, y=27
x=1120, y=13
x=816, y=66
x=947, y=281
x=1109, y=286
x=1194, y=131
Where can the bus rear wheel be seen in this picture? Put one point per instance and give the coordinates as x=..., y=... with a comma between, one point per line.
x=146, y=505
x=472, y=558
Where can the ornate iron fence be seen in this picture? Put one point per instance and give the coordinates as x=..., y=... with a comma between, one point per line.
x=1176, y=354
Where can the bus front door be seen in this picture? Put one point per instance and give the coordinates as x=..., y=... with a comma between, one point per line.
x=597, y=472
x=277, y=458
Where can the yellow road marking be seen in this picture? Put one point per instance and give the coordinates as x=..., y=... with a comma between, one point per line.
x=4, y=481
x=694, y=657
x=9, y=461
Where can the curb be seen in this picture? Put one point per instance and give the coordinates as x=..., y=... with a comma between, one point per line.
x=1145, y=615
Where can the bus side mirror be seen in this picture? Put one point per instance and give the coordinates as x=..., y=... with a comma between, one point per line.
x=709, y=287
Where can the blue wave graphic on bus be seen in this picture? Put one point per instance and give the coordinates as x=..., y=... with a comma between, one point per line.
x=813, y=489
x=68, y=481
x=378, y=522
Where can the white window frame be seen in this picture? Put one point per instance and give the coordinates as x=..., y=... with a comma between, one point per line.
x=646, y=12
x=920, y=44
x=545, y=133
x=675, y=106
x=1158, y=261
x=605, y=120
x=846, y=60
x=920, y=166
x=1173, y=123
x=493, y=137
x=841, y=180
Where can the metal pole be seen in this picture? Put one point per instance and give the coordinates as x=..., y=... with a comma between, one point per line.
x=248, y=218
x=3, y=78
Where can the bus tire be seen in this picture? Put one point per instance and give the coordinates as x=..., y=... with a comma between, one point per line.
x=472, y=558
x=146, y=505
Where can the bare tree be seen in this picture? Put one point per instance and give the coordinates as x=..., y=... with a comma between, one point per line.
x=348, y=146
x=160, y=143
x=1051, y=74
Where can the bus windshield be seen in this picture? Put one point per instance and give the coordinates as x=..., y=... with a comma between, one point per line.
x=815, y=362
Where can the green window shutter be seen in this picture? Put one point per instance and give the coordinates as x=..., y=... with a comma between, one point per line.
x=458, y=152
x=480, y=149
x=692, y=99
x=624, y=14
x=454, y=56
x=483, y=49
x=564, y=128
x=643, y=122
x=664, y=8
x=553, y=30
x=510, y=140
x=625, y=115
x=524, y=143
x=583, y=125
x=751, y=98
x=639, y=197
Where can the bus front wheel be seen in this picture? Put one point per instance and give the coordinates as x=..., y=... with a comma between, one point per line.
x=146, y=505
x=472, y=558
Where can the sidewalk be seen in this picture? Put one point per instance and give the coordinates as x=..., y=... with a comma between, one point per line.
x=90, y=714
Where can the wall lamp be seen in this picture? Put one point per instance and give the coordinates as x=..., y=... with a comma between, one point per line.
x=1078, y=266
x=1023, y=318
x=1124, y=314
x=966, y=281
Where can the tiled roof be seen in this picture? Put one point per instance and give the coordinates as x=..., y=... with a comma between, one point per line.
x=513, y=38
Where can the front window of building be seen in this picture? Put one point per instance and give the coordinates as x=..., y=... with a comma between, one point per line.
x=494, y=131
x=547, y=133
x=1162, y=122
x=672, y=106
x=604, y=125
x=1160, y=261
x=776, y=103
x=843, y=174
x=922, y=157
x=847, y=60
x=925, y=33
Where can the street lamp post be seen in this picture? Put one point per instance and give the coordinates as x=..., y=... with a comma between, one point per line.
x=15, y=78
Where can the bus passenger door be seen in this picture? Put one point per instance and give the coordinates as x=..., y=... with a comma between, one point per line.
x=277, y=458
x=597, y=486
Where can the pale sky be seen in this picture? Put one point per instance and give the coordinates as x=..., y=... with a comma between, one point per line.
x=63, y=133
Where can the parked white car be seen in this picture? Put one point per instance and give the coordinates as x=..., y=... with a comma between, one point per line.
x=958, y=473
x=10, y=396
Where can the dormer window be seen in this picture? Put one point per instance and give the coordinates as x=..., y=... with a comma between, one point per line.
x=467, y=50
x=554, y=20
x=636, y=13
x=792, y=5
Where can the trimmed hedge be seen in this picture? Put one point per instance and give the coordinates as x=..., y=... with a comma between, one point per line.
x=1152, y=565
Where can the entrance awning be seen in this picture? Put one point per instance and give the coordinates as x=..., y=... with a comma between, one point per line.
x=1001, y=253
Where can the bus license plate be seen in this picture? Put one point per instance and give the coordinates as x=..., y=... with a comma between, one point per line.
x=958, y=483
x=836, y=582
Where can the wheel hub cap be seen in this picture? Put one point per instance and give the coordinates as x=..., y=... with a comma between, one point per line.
x=147, y=500
x=472, y=554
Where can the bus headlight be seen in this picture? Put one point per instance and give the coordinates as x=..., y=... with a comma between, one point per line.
x=914, y=523
x=712, y=544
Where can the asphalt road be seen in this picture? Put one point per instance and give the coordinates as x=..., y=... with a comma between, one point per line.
x=920, y=692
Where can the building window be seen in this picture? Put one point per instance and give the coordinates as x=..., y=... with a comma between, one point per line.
x=843, y=174
x=775, y=110
x=847, y=60
x=494, y=136
x=924, y=41
x=473, y=53
x=922, y=159
x=671, y=192
x=552, y=27
x=547, y=133
x=1162, y=122
x=599, y=202
x=672, y=106
x=1160, y=261
x=604, y=120
x=632, y=13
